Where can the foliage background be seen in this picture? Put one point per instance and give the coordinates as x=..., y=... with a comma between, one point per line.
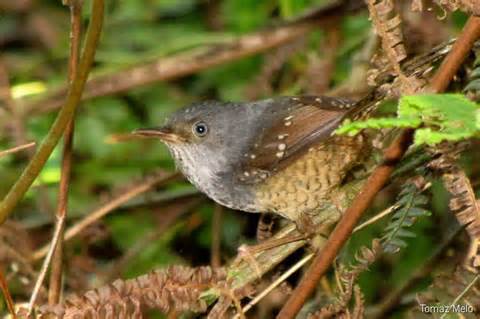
x=34, y=41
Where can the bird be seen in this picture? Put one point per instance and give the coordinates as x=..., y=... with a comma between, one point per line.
x=278, y=155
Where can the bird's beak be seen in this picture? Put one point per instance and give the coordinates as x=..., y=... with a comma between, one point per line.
x=164, y=133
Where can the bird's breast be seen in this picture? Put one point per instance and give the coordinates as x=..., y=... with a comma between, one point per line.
x=214, y=180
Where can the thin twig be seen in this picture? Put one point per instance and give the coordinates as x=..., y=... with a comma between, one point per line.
x=67, y=156
x=274, y=284
x=372, y=220
x=103, y=210
x=377, y=179
x=36, y=164
x=386, y=212
x=46, y=263
x=7, y=295
x=17, y=149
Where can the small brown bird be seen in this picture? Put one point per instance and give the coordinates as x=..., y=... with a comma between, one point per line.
x=276, y=155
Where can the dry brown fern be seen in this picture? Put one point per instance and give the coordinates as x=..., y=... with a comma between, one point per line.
x=176, y=288
x=348, y=288
x=463, y=202
x=387, y=23
x=468, y=6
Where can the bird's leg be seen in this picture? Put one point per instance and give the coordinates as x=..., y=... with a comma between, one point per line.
x=272, y=243
x=248, y=252
x=306, y=225
x=266, y=242
x=265, y=227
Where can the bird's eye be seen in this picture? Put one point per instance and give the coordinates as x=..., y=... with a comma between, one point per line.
x=200, y=129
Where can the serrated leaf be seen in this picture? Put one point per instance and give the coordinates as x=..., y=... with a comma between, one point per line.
x=420, y=201
x=408, y=202
x=419, y=212
x=406, y=233
x=353, y=128
x=437, y=117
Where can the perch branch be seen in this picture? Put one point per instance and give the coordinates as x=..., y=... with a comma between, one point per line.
x=36, y=164
x=375, y=182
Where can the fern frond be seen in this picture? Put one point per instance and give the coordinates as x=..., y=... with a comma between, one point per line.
x=410, y=205
x=174, y=288
x=472, y=89
x=467, y=6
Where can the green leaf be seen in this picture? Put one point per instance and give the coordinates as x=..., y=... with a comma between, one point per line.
x=437, y=117
x=477, y=119
x=353, y=128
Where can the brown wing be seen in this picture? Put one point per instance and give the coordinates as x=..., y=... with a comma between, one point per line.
x=305, y=122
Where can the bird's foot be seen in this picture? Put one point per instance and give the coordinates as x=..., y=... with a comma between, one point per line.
x=272, y=243
x=248, y=253
x=306, y=226
x=310, y=230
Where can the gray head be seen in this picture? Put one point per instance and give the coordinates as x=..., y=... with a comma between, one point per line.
x=207, y=139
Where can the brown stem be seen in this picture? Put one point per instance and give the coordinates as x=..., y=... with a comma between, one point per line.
x=62, y=206
x=460, y=49
x=376, y=181
x=31, y=172
x=7, y=295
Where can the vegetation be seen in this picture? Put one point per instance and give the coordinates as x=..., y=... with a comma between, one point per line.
x=104, y=227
